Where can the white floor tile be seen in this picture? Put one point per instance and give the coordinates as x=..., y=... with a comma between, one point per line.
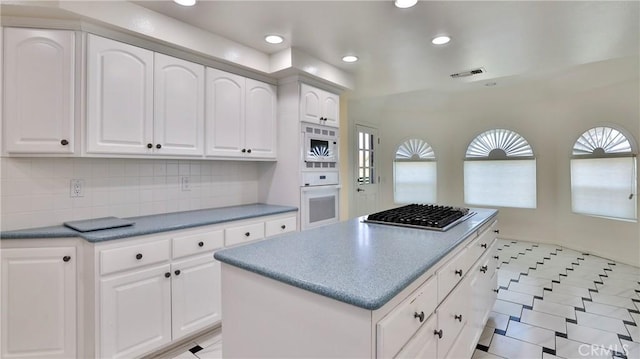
x=538, y=282
x=549, y=356
x=567, y=289
x=571, y=349
x=544, y=320
x=560, y=310
x=613, y=300
x=185, y=355
x=508, y=308
x=213, y=351
x=544, y=274
x=634, y=331
x=601, y=322
x=631, y=349
x=498, y=321
x=531, y=334
x=617, y=291
x=607, y=310
x=515, y=297
x=636, y=318
x=513, y=348
x=526, y=289
x=565, y=299
x=479, y=354
x=617, y=275
x=592, y=336
x=627, y=284
x=625, y=268
x=578, y=282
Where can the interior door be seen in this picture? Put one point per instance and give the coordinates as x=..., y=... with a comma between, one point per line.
x=366, y=170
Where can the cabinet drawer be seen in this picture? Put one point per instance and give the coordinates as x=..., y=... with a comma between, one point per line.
x=197, y=243
x=453, y=314
x=397, y=327
x=452, y=273
x=282, y=225
x=424, y=344
x=245, y=233
x=117, y=259
x=480, y=245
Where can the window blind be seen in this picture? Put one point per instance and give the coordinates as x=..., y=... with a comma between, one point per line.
x=415, y=182
x=502, y=183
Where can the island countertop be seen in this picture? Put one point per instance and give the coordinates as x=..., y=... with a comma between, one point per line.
x=362, y=264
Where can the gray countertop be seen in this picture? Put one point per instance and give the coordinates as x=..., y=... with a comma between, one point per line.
x=155, y=223
x=362, y=264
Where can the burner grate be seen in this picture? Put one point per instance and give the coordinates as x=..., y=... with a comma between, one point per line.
x=428, y=216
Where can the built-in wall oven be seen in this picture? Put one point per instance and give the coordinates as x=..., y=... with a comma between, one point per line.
x=319, y=178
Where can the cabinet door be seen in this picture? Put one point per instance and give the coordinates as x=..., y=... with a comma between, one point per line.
x=119, y=97
x=260, y=119
x=179, y=107
x=424, y=344
x=38, y=303
x=331, y=109
x=453, y=314
x=195, y=295
x=310, y=104
x=225, y=114
x=39, y=91
x=135, y=312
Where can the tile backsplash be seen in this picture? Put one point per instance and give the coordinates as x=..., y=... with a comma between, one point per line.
x=35, y=192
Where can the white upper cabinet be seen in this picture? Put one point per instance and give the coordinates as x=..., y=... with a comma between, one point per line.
x=119, y=97
x=241, y=117
x=179, y=107
x=39, y=79
x=319, y=106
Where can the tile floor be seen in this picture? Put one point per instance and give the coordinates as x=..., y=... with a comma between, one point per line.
x=553, y=303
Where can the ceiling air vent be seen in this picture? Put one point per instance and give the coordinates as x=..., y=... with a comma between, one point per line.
x=477, y=71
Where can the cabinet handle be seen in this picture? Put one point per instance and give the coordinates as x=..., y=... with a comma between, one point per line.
x=458, y=272
x=158, y=146
x=483, y=245
x=458, y=318
x=64, y=142
x=200, y=244
x=167, y=275
x=139, y=256
x=149, y=145
x=438, y=333
x=249, y=151
x=496, y=257
x=419, y=316
x=177, y=272
x=247, y=234
x=283, y=226
x=496, y=231
x=66, y=258
x=496, y=290
x=243, y=150
x=483, y=269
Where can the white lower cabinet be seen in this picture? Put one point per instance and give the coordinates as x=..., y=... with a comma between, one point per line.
x=424, y=344
x=135, y=312
x=38, y=303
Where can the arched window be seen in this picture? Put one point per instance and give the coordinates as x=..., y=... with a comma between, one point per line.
x=603, y=174
x=500, y=170
x=414, y=173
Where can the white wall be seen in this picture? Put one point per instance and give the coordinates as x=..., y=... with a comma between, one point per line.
x=549, y=116
x=35, y=191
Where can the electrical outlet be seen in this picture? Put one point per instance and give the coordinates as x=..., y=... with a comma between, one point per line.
x=185, y=182
x=76, y=188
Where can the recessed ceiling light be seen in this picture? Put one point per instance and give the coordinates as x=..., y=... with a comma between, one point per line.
x=350, y=58
x=274, y=39
x=403, y=4
x=185, y=2
x=440, y=40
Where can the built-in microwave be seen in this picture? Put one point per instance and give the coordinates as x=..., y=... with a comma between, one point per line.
x=320, y=144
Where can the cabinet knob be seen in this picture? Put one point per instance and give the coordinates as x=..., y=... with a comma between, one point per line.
x=167, y=275
x=64, y=142
x=149, y=145
x=419, y=316
x=66, y=258
x=483, y=245
x=483, y=269
x=200, y=244
x=139, y=256
x=458, y=272
x=458, y=318
x=496, y=290
x=496, y=231
x=177, y=272
x=249, y=151
x=438, y=333
x=247, y=234
x=496, y=257
x=158, y=146
x=283, y=226
x=243, y=150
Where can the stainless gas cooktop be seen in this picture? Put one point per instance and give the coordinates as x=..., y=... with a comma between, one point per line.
x=423, y=216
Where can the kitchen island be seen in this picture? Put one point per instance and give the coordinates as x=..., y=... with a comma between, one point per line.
x=355, y=289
